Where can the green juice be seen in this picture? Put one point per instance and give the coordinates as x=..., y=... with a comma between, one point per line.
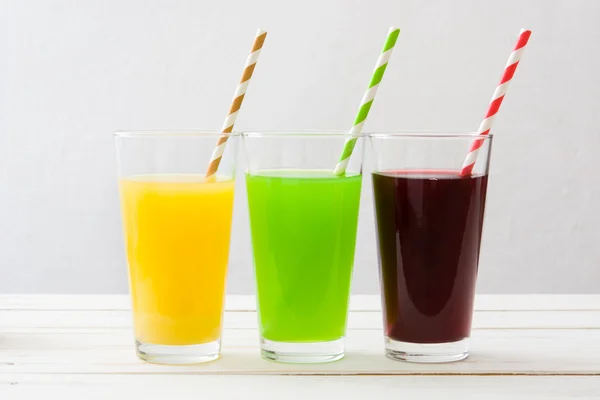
x=303, y=226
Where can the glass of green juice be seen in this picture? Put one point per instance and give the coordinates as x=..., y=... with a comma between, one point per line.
x=303, y=220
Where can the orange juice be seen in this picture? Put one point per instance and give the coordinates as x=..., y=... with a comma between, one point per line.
x=177, y=230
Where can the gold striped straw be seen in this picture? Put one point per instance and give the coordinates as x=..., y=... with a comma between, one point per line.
x=238, y=98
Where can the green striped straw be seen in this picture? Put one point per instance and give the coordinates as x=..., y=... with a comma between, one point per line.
x=367, y=100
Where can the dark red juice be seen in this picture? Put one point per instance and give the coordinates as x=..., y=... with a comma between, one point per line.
x=429, y=232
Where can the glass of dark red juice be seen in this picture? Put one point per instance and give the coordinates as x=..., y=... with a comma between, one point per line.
x=429, y=215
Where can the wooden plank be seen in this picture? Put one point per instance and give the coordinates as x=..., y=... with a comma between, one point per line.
x=533, y=352
x=92, y=335
x=76, y=319
x=504, y=302
x=365, y=340
x=358, y=302
x=90, y=387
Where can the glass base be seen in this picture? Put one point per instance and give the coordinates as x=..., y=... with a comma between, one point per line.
x=178, y=355
x=302, y=353
x=427, y=352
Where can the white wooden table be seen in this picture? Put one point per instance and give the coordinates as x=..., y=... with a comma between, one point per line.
x=81, y=347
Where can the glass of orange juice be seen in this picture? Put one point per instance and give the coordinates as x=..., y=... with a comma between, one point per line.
x=177, y=223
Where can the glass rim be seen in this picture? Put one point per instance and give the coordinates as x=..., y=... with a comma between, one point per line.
x=301, y=133
x=173, y=133
x=429, y=135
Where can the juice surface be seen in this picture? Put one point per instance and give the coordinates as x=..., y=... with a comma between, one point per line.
x=429, y=232
x=177, y=230
x=303, y=234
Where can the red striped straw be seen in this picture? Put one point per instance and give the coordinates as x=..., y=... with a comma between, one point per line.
x=499, y=93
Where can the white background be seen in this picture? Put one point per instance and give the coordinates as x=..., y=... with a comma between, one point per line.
x=72, y=72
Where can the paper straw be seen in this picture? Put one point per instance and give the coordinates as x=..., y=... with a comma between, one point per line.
x=367, y=100
x=238, y=98
x=496, y=102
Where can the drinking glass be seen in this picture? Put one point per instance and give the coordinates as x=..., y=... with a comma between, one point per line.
x=177, y=226
x=429, y=220
x=303, y=221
